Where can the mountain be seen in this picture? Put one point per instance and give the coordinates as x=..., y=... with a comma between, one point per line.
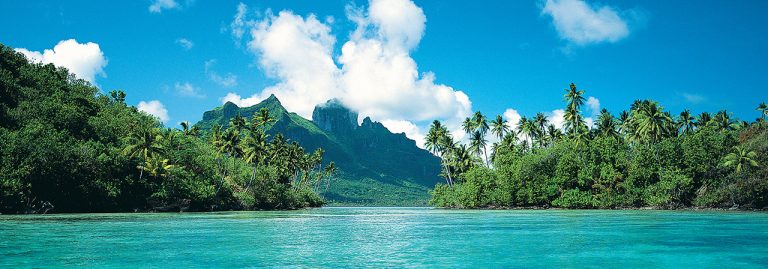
x=376, y=167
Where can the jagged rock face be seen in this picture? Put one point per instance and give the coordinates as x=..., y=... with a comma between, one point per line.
x=334, y=117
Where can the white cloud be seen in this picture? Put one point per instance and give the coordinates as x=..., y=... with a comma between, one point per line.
x=228, y=81
x=556, y=117
x=512, y=116
x=593, y=105
x=374, y=74
x=185, y=43
x=154, y=108
x=694, y=98
x=157, y=6
x=583, y=24
x=84, y=60
x=240, y=101
x=408, y=128
x=187, y=89
x=239, y=23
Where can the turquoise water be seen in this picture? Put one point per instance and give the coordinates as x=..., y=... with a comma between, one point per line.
x=388, y=237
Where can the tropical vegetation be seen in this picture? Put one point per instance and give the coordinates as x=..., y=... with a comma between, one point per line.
x=67, y=147
x=645, y=157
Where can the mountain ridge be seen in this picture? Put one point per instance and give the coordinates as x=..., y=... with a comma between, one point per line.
x=364, y=153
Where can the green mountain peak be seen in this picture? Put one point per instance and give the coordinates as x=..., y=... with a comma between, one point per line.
x=365, y=154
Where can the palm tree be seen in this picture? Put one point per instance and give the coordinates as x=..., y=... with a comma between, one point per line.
x=651, y=123
x=554, y=134
x=156, y=167
x=481, y=125
x=685, y=122
x=574, y=100
x=468, y=126
x=574, y=97
x=118, y=96
x=606, y=124
x=144, y=143
x=438, y=141
x=255, y=150
x=230, y=145
x=703, y=119
x=499, y=127
x=262, y=119
x=740, y=158
x=722, y=120
x=480, y=122
x=763, y=108
x=540, y=127
x=477, y=143
x=525, y=127
x=461, y=159
x=624, y=123
x=237, y=122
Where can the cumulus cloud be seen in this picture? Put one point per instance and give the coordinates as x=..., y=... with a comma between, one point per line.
x=584, y=24
x=157, y=6
x=512, y=117
x=556, y=117
x=240, y=101
x=187, y=89
x=593, y=105
x=185, y=43
x=154, y=108
x=374, y=74
x=228, y=81
x=84, y=60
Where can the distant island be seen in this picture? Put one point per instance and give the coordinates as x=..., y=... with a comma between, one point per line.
x=645, y=157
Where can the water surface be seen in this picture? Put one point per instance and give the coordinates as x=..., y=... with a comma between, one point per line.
x=388, y=237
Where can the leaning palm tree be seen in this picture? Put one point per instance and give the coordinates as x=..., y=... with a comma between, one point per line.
x=740, y=158
x=685, y=122
x=145, y=143
x=499, y=127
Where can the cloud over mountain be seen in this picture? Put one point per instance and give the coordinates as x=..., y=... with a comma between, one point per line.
x=374, y=74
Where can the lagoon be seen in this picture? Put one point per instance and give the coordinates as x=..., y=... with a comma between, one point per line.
x=338, y=237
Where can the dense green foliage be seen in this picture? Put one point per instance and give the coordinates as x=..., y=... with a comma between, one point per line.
x=65, y=147
x=364, y=153
x=644, y=158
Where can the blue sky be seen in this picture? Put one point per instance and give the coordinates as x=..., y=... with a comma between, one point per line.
x=406, y=62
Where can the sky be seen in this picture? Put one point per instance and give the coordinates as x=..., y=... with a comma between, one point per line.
x=401, y=62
